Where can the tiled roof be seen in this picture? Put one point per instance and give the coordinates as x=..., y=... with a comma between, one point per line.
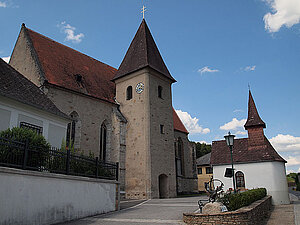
x=141, y=53
x=220, y=153
x=178, y=125
x=253, y=116
x=62, y=64
x=204, y=160
x=15, y=86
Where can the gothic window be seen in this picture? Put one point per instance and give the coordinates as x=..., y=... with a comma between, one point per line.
x=71, y=129
x=240, y=179
x=159, y=89
x=129, y=93
x=179, y=158
x=103, y=142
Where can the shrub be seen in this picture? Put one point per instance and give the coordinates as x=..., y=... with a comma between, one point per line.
x=23, y=134
x=37, y=145
x=238, y=200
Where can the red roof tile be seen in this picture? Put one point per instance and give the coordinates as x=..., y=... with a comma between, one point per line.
x=60, y=65
x=220, y=153
x=178, y=125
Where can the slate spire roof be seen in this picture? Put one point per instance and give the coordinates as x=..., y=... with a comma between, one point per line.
x=254, y=119
x=15, y=86
x=142, y=53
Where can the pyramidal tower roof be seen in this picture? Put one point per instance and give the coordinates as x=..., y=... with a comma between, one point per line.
x=142, y=53
x=254, y=119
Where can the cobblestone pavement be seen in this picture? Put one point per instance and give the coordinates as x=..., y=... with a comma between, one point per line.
x=154, y=211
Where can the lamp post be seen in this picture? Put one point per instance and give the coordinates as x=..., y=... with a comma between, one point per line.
x=229, y=141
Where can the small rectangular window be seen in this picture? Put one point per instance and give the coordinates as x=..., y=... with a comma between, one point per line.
x=159, y=89
x=199, y=170
x=209, y=170
x=37, y=129
x=162, y=129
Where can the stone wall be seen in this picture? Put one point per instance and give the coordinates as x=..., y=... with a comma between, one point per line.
x=186, y=183
x=254, y=214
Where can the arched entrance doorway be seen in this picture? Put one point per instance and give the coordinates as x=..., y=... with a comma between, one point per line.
x=163, y=186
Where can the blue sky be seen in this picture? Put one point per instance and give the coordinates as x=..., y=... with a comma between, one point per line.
x=213, y=48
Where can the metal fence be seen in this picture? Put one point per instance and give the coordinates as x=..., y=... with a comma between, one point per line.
x=19, y=155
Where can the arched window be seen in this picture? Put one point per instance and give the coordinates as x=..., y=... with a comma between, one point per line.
x=240, y=179
x=71, y=129
x=179, y=158
x=129, y=93
x=159, y=89
x=103, y=141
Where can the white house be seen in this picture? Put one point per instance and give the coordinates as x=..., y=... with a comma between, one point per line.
x=256, y=162
x=22, y=104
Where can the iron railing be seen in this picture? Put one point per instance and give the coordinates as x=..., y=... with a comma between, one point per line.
x=19, y=155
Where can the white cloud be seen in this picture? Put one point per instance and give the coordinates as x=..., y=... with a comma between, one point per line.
x=286, y=143
x=292, y=161
x=3, y=4
x=206, y=69
x=284, y=13
x=249, y=68
x=234, y=124
x=191, y=124
x=6, y=59
x=238, y=110
x=70, y=32
x=241, y=132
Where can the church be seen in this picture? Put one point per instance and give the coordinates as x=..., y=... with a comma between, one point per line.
x=121, y=115
x=256, y=163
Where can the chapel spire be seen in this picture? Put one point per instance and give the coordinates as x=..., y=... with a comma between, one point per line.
x=142, y=53
x=254, y=119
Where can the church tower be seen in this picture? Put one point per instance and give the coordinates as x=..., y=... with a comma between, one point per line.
x=143, y=90
x=255, y=126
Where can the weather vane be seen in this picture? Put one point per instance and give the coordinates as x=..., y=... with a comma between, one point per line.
x=249, y=86
x=143, y=11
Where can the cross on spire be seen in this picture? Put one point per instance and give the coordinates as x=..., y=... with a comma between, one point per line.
x=143, y=11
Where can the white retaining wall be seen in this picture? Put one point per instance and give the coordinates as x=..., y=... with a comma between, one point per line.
x=28, y=197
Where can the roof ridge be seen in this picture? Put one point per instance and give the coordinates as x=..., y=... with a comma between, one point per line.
x=50, y=39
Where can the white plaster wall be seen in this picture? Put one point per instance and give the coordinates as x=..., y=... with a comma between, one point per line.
x=29, y=197
x=54, y=127
x=270, y=175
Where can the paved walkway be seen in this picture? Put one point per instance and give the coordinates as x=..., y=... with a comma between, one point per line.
x=286, y=214
x=154, y=211
x=169, y=211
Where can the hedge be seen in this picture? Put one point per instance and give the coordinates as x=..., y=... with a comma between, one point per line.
x=238, y=200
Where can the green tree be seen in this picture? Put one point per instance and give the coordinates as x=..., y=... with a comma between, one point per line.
x=202, y=149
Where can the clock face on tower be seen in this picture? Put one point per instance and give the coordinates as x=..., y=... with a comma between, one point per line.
x=139, y=88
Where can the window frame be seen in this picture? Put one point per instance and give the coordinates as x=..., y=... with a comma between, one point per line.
x=209, y=170
x=159, y=91
x=129, y=93
x=199, y=169
x=35, y=128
